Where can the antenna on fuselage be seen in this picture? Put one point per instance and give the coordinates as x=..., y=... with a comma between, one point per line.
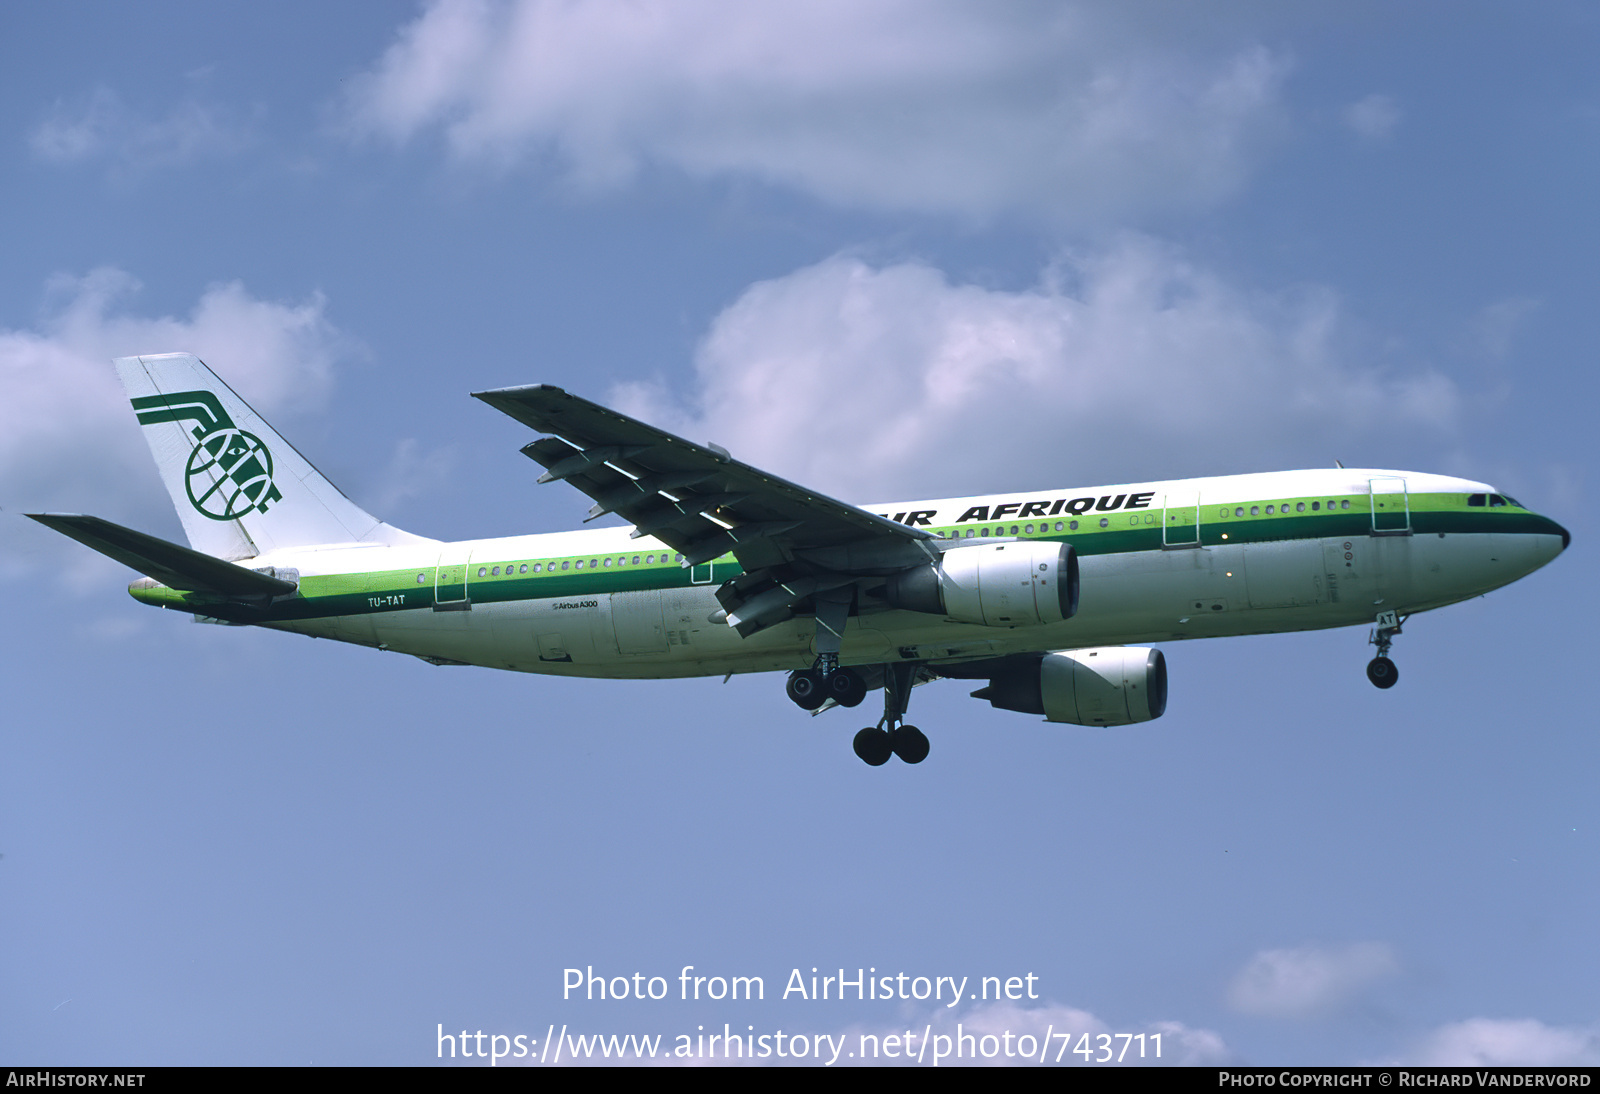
x=1339, y=464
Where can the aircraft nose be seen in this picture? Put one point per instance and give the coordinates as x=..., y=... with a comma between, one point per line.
x=1551, y=528
x=1545, y=540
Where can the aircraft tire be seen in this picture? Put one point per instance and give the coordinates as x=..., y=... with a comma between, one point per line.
x=1382, y=672
x=846, y=688
x=872, y=745
x=806, y=689
x=910, y=744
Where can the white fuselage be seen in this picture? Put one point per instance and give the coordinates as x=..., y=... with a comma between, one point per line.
x=1202, y=584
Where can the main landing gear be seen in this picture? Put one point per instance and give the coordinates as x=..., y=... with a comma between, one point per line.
x=1380, y=670
x=890, y=737
x=810, y=688
x=825, y=679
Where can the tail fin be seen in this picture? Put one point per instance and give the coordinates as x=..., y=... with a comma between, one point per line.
x=240, y=489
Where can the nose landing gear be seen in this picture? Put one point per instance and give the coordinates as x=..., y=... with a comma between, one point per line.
x=1380, y=670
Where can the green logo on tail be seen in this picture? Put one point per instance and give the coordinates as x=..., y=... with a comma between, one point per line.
x=229, y=472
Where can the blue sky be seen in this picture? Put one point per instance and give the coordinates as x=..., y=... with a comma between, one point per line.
x=883, y=249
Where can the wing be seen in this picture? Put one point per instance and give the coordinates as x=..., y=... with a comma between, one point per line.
x=797, y=547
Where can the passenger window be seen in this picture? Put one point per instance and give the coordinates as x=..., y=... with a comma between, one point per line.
x=421, y=578
x=985, y=533
x=636, y=560
x=1239, y=512
x=969, y=533
x=1269, y=510
x=1105, y=522
x=1255, y=510
x=1315, y=506
x=1058, y=525
x=1029, y=529
x=523, y=568
x=1345, y=504
x=564, y=565
x=580, y=564
x=608, y=562
x=1300, y=507
x=1013, y=529
x=1074, y=526
x=536, y=567
x=482, y=570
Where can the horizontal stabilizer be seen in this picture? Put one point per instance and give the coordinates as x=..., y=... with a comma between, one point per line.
x=174, y=566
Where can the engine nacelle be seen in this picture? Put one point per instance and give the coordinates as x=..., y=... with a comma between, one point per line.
x=1105, y=686
x=997, y=584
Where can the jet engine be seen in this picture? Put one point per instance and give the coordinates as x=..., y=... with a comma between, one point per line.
x=1106, y=686
x=1011, y=584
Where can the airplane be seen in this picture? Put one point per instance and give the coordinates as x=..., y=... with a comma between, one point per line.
x=724, y=568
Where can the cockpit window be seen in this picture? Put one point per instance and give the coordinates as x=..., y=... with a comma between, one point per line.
x=1477, y=499
x=1496, y=500
x=1513, y=501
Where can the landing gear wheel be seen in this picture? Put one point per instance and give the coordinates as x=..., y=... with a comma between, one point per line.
x=846, y=688
x=872, y=745
x=909, y=743
x=1382, y=673
x=806, y=689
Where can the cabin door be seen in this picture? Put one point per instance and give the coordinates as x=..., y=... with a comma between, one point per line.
x=1180, y=520
x=1391, y=507
x=450, y=580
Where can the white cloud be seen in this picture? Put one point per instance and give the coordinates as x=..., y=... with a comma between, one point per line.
x=1494, y=329
x=876, y=382
x=102, y=127
x=66, y=432
x=1078, y=113
x=1309, y=981
x=1505, y=1042
x=1373, y=118
x=412, y=472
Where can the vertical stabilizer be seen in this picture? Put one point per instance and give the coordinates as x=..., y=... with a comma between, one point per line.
x=240, y=489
